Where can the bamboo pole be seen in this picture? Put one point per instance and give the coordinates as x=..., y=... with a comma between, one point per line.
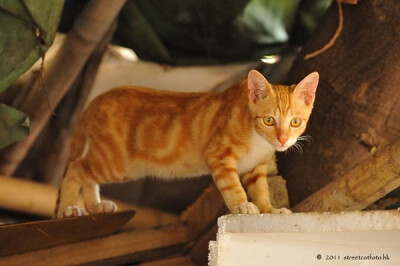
x=39, y=199
x=366, y=183
x=89, y=28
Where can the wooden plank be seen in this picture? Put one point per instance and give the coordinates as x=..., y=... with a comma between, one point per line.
x=105, y=248
x=204, y=213
x=141, y=256
x=39, y=199
x=369, y=181
x=199, y=251
x=351, y=2
x=23, y=237
x=181, y=261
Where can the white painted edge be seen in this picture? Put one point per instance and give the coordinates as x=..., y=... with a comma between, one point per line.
x=310, y=222
x=213, y=253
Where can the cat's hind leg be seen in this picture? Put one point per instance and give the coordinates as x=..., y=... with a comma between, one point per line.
x=69, y=192
x=93, y=203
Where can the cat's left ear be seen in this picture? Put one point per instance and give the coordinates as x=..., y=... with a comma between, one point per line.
x=258, y=86
x=305, y=90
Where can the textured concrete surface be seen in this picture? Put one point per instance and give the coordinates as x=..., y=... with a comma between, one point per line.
x=351, y=238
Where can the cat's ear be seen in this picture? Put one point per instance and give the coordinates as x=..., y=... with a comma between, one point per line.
x=305, y=90
x=258, y=86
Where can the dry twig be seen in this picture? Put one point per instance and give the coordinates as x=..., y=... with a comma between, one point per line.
x=334, y=37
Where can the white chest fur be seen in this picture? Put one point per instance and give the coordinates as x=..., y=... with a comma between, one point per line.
x=260, y=150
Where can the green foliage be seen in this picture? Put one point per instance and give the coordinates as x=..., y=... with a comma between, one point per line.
x=27, y=28
x=212, y=31
x=269, y=21
x=14, y=125
x=19, y=47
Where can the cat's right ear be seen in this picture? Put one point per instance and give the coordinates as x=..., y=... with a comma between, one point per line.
x=305, y=90
x=258, y=86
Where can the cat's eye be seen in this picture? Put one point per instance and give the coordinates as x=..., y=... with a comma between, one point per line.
x=269, y=121
x=296, y=122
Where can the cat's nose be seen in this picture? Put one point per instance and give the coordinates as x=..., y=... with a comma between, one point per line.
x=282, y=139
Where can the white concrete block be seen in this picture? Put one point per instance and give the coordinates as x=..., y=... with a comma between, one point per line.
x=351, y=238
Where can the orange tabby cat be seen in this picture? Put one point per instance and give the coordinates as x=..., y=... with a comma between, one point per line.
x=133, y=132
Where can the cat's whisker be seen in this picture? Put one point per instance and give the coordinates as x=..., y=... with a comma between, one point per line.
x=297, y=147
x=299, y=144
x=291, y=148
x=301, y=148
x=306, y=138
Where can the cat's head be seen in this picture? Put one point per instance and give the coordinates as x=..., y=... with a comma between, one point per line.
x=281, y=112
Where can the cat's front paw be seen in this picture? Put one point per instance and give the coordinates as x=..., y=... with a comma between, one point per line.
x=70, y=211
x=105, y=206
x=281, y=211
x=245, y=208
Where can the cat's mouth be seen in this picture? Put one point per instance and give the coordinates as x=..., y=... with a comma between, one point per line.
x=285, y=146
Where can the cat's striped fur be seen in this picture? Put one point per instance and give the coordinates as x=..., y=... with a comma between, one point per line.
x=133, y=132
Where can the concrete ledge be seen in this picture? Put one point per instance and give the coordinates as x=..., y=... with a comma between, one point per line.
x=310, y=222
x=349, y=238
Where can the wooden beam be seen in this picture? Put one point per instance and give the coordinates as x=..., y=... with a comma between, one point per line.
x=55, y=232
x=199, y=251
x=142, y=256
x=204, y=213
x=181, y=261
x=39, y=199
x=120, y=248
x=369, y=181
x=351, y=2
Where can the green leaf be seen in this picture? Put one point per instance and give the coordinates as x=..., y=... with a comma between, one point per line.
x=14, y=125
x=144, y=39
x=214, y=31
x=19, y=47
x=268, y=21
